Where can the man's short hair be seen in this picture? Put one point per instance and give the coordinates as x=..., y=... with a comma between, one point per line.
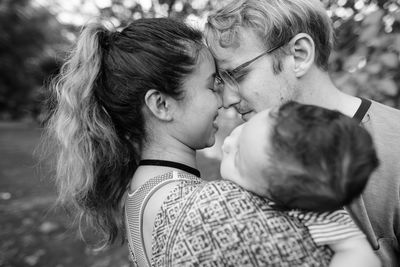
x=275, y=22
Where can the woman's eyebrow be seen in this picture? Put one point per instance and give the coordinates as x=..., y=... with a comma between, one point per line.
x=212, y=76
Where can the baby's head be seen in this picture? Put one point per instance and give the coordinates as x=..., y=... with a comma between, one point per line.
x=300, y=156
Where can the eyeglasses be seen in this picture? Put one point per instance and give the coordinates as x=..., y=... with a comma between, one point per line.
x=231, y=77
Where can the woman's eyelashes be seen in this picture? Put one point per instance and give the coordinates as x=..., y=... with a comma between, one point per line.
x=218, y=81
x=215, y=85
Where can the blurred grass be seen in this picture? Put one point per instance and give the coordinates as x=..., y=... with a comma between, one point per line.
x=33, y=232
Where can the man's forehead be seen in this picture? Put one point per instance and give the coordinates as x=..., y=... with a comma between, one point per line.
x=221, y=54
x=231, y=56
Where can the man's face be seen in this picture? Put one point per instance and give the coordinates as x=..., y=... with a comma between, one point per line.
x=258, y=87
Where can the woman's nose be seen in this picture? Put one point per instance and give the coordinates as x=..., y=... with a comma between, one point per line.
x=219, y=100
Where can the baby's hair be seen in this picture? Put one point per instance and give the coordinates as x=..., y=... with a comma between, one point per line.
x=321, y=159
x=97, y=124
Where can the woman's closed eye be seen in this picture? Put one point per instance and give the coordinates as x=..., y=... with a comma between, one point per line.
x=212, y=86
x=215, y=87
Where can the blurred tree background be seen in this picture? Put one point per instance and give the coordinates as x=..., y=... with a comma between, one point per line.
x=35, y=34
x=366, y=60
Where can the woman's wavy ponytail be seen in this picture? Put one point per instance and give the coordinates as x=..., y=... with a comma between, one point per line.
x=91, y=156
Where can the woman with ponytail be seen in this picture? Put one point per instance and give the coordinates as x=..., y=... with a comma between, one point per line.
x=126, y=96
x=131, y=109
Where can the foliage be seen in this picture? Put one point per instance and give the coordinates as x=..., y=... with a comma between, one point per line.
x=365, y=62
x=28, y=38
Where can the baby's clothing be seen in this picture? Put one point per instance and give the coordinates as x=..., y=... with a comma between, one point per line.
x=328, y=227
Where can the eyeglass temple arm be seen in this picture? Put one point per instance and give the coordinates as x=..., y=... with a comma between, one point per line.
x=244, y=65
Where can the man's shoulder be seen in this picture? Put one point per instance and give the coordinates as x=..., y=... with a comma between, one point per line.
x=382, y=120
x=387, y=113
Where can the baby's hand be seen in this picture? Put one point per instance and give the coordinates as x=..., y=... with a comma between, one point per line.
x=354, y=252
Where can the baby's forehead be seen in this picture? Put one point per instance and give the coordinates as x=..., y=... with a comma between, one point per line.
x=261, y=119
x=255, y=142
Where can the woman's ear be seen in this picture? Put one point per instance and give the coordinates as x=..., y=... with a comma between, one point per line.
x=158, y=104
x=303, y=50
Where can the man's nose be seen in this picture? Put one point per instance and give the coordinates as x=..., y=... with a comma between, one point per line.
x=219, y=100
x=229, y=97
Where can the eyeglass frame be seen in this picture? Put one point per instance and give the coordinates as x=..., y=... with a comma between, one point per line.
x=246, y=64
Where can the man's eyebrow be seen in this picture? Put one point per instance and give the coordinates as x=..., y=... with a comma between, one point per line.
x=218, y=62
x=226, y=70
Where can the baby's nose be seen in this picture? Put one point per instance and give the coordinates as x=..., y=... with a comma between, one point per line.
x=226, y=146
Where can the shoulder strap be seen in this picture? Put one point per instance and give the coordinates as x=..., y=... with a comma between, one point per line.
x=362, y=109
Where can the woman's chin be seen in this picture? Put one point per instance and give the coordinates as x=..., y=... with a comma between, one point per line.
x=210, y=142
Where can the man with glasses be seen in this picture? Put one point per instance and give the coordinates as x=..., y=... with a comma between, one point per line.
x=271, y=51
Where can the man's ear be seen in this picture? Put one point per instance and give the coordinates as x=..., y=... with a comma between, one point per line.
x=158, y=104
x=303, y=50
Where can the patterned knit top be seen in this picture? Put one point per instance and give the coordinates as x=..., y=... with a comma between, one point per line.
x=134, y=208
x=220, y=224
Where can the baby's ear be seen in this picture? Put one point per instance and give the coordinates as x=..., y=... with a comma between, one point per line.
x=159, y=104
x=303, y=51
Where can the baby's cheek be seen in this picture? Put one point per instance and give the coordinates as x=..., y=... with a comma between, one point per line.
x=250, y=186
x=240, y=181
x=255, y=185
x=231, y=174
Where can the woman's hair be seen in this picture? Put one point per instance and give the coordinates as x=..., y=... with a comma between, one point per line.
x=97, y=122
x=275, y=22
x=320, y=160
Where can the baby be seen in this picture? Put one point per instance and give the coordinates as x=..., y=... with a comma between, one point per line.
x=309, y=162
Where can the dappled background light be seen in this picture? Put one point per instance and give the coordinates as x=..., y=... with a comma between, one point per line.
x=36, y=34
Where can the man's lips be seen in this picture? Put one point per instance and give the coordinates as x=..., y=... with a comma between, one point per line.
x=242, y=111
x=245, y=114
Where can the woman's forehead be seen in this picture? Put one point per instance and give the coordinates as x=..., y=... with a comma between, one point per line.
x=205, y=54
